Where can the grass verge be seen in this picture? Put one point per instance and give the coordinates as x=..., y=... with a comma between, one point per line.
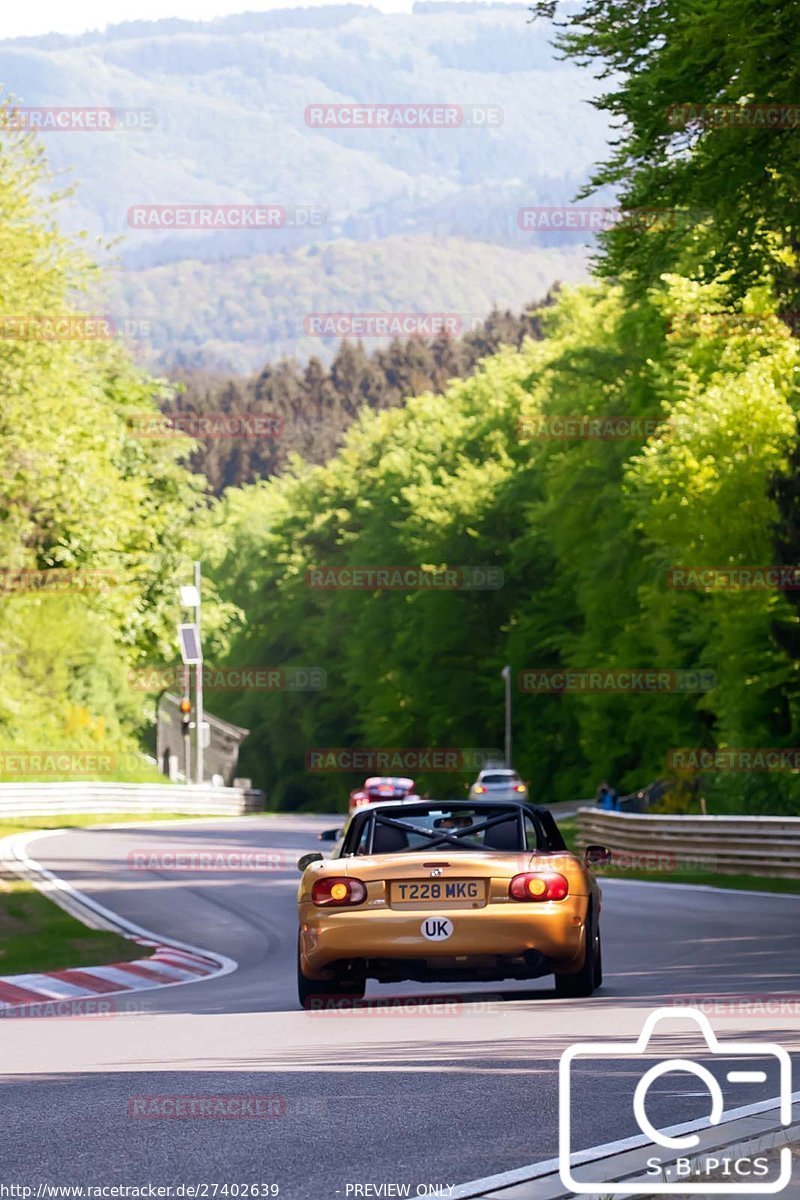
x=37, y=935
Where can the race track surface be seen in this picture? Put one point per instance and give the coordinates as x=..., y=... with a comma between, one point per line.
x=432, y=1094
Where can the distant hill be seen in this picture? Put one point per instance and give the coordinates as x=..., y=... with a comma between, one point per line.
x=307, y=410
x=238, y=315
x=414, y=219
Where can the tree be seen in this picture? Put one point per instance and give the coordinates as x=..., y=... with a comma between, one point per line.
x=584, y=531
x=95, y=514
x=316, y=406
x=703, y=93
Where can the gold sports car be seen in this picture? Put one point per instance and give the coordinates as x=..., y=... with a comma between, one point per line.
x=448, y=890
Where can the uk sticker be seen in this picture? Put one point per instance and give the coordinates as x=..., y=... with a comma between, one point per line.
x=437, y=929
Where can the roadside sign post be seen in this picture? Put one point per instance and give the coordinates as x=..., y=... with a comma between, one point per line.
x=189, y=643
x=192, y=655
x=187, y=757
x=186, y=724
x=187, y=737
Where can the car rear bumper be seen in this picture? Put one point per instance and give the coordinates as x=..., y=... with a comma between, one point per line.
x=552, y=932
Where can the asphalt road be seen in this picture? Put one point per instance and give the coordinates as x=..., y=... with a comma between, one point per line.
x=434, y=1095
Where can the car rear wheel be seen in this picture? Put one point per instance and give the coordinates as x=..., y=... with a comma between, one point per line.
x=590, y=975
x=598, y=962
x=309, y=990
x=351, y=989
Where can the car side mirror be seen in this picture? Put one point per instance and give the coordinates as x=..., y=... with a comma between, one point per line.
x=308, y=859
x=596, y=856
x=329, y=835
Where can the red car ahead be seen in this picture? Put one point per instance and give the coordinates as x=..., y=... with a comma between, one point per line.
x=381, y=787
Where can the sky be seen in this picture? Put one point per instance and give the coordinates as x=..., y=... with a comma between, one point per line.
x=54, y=16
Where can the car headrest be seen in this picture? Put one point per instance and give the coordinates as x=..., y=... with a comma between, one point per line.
x=388, y=839
x=503, y=836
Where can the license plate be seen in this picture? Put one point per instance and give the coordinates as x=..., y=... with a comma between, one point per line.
x=441, y=893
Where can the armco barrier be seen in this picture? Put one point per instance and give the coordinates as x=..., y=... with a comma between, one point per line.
x=47, y=799
x=768, y=846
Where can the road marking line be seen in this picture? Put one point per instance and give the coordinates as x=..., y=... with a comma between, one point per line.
x=85, y=979
x=176, y=962
x=11, y=994
x=139, y=970
x=612, y=881
x=114, y=975
x=45, y=987
x=550, y=1166
x=181, y=964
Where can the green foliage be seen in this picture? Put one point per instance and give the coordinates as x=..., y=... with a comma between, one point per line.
x=85, y=501
x=408, y=469
x=38, y=935
x=741, y=57
x=316, y=404
x=584, y=530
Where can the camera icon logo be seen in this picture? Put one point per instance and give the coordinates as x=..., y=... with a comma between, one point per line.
x=680, y=1138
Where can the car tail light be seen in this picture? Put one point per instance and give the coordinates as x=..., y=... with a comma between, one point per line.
x=359, y=800
x=519, y=787
x=538, y=886
x=337, y=891
x=479, y=789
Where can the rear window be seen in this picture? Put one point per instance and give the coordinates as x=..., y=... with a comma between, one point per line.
x=448, y=829
x=504, y=777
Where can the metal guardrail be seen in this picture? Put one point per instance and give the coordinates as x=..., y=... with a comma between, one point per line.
x=47, y=799
x=740, y=845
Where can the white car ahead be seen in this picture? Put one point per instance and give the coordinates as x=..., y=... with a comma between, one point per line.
x=498, y=783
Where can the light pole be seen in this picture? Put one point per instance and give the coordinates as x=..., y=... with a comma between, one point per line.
x=506, y=674
x=192, y=654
